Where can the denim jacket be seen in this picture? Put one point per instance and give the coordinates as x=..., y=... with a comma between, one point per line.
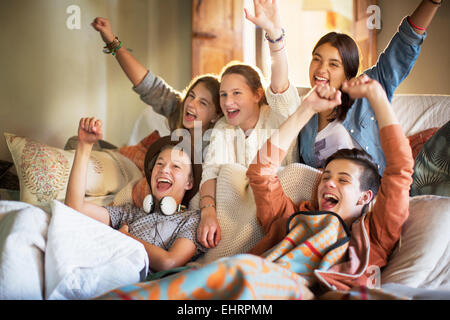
x=393, y=65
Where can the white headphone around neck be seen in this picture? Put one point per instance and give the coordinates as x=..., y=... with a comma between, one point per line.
x=167, y=204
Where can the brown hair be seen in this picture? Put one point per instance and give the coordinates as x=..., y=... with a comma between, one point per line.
x=369, y=179
x=211, y=83
x=350, y=55
x=164, y=143
x=251, y=74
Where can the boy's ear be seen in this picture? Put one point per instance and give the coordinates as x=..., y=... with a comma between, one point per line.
x=365, y=198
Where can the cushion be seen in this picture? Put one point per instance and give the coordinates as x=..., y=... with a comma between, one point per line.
x=137, y=189
x=422, y=256
x=416, y=141
x=136, y=153
x=417, y=112
x=432, y=165
x=44, y=171
x=236, y=209
x=85, y=258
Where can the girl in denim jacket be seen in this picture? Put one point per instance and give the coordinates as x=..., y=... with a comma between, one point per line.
x=335, y=58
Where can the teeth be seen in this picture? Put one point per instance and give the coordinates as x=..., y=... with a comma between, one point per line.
x=190, y=113
x=321, y=79
x=330, y=196
x=164, y=180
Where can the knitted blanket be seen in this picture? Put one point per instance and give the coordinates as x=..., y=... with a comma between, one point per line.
x=236, y=209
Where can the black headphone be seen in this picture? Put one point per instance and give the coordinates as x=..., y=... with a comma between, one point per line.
x=167, y=204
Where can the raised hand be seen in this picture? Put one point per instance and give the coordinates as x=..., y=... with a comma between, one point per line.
x=322, y=98
x=266, y=17
x=103, y=26
x=362, y=87
x=365, y=87
x=89, y=130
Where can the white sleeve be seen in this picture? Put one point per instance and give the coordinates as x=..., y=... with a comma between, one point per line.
x=217, y=153
x=284, y=103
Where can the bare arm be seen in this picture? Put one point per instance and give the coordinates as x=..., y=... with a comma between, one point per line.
x=181, y=251
x=135, y=71
x=320, y=98
x=424, y=14
x=89, y=131
x=208, y=231
x=267, y=18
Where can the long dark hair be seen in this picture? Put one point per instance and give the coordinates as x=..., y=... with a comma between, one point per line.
x=350, y=55
x=211, y=83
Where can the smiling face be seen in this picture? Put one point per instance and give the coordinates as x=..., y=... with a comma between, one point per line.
x=239, y=103
x=339, y=190
x=199, y=106
x=326, y=67
x=171, y=175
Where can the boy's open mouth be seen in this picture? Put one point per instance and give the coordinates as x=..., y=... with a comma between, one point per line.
x=329, y=201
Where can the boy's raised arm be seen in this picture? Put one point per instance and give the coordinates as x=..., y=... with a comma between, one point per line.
x=391, y=207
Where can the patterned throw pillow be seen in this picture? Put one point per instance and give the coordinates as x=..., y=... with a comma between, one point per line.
x=137, y=153
x=416, y=141
x=432, y=165
x=44, y=171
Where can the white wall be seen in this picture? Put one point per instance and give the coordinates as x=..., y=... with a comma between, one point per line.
x=430, y=73
x=52, y=76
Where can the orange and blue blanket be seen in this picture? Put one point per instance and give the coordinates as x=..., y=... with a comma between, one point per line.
x=314, y=240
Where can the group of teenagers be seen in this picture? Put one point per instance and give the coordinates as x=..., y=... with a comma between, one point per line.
x=344, y=126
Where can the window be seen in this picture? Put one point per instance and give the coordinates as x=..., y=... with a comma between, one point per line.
x=305, y=22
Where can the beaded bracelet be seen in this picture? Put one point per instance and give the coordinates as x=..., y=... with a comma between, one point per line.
x=113, y=46
x=117, y=48
x=208, y=196
x=276, y=40
x=208, y=206
x=278, y=50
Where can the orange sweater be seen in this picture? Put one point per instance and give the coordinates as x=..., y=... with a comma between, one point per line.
x=374, y=235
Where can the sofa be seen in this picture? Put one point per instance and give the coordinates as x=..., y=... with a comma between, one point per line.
x=419, y=267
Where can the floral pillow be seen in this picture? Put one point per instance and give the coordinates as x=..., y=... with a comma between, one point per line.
x=44, y=171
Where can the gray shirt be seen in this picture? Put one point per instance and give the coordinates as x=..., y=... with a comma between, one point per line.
x=157, y=228
x=155, y=92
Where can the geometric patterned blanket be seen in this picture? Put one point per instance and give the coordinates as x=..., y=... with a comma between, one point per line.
x=314, y=240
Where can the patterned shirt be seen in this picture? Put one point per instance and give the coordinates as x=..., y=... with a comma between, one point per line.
x=157, y=228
